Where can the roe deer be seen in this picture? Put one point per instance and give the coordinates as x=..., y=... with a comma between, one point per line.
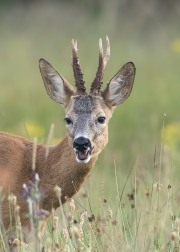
x=68, y=163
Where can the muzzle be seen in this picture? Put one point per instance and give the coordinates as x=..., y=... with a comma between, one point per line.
x=82, y=147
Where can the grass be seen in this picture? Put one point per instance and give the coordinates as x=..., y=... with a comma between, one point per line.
x=132, y=195
x=143, y=215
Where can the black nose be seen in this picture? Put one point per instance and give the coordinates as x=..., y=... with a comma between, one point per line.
x=81, y=144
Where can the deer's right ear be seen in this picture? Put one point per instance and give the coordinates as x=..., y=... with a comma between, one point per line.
x=56, y=86
x=120, y=86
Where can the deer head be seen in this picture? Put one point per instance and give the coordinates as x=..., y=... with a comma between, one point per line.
x=88, y=114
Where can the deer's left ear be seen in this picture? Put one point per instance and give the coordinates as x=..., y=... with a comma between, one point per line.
x=120, y=86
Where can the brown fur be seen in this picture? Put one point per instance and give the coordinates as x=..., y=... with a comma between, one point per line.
x=56, y=169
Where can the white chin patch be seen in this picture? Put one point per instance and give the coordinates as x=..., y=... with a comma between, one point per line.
x=84, y=160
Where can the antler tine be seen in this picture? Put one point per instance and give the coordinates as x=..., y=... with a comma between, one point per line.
x=74, y=48
x=78, y=76
x=107, y=56
x=100, y=50
x=103, y=60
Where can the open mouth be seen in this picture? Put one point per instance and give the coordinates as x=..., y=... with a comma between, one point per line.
x=83, y=156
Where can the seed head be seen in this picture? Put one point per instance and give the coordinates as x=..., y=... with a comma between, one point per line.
x=65, y=234
x=158, y=186
x=13, y=199
x=91, y=218
x=131, y=196
x=114, y=222
x=147, y=194
x=177, y=224
x=83, y=215
x=132, y=206
x=55, y=222
x=75, y=232
x=57, y=191
x=110, y=214
x=169, y=186
x=174, y=236
x=72, y=205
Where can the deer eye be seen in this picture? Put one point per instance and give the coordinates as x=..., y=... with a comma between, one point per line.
x=68, y=120
x=101, y=119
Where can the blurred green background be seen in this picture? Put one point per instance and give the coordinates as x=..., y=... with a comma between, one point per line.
x=145, y=32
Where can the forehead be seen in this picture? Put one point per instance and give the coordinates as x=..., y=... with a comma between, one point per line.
x=86, y=104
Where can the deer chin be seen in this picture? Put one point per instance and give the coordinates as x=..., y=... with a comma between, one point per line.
x=83, y=156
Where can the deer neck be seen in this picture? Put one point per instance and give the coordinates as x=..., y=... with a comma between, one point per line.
x=62, y=169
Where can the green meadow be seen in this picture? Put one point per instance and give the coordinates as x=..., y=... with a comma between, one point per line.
x=133, y=192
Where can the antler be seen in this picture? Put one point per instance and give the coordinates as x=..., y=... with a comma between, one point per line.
x=78, y=76
x=103, y=60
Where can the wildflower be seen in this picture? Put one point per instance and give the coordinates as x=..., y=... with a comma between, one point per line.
x=43, y=214
x=31, y=191
x=34, y=129
x=33, y=196
x=172, y=134
x=25, y=192
x=175, y=45
x=36, y=177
